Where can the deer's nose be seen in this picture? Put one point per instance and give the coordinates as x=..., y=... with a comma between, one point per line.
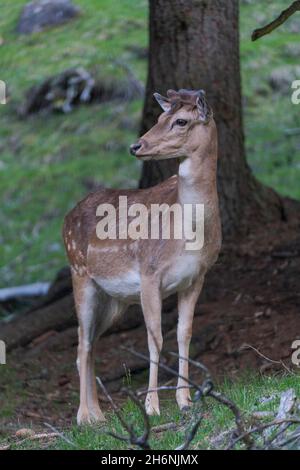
x=134, y=148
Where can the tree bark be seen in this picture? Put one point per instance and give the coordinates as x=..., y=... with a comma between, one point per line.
x=195, y=45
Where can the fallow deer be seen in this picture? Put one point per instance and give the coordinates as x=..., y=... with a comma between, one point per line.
x=109, y=275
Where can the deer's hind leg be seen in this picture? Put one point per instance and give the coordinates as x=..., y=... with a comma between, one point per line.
x=151, y=305
x=86, y=303
x=96, y=312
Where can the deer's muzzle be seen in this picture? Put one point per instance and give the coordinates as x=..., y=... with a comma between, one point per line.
x=134, y=148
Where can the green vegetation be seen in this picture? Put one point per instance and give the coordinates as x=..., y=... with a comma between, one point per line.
x=12, y=392
x=246, y=392
x=47, y=163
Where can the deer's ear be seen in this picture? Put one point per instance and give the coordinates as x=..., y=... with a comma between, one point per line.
x=205, y=111
x=163, y=102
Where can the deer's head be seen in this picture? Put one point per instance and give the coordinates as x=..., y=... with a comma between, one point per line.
x=187, y=119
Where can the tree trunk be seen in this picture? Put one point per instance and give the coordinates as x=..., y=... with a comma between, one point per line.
x=195, y=45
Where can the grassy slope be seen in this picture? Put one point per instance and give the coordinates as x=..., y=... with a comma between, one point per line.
x=246, y=393
x=46, y=162
x=273, y=153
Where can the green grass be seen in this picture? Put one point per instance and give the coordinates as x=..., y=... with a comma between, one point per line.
x=11, y=392
x=273, y=150
x=48, y=162
x=246, y=392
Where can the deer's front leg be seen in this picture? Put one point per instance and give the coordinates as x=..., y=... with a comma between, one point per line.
x=186, y=307
x=151, y=305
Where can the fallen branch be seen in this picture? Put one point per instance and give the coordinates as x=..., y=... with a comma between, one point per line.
x=282, y=18
x=30, y=290
x=287, y=403
x=261, y=428
x=5, y=447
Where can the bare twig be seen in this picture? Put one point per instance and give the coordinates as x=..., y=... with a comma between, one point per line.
x=142, y=441
x=162, y=366
x=268, y=359
x=132, y=438
x=191, y=434
x=197, y=364
x=237, y=415
x=282, y=18
x=116, y=409
x=60, y=434
x=163, y=388
x=205, y=390
x=294, y=437
x=269, y=444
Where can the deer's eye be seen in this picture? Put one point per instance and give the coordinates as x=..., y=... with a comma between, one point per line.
x=181, y=122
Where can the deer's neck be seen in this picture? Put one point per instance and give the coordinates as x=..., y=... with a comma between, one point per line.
x=197, y=177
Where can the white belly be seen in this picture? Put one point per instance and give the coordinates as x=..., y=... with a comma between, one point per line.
x=177, y=276
x=126, y=286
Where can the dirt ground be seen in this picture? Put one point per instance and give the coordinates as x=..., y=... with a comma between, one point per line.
x=251, y=298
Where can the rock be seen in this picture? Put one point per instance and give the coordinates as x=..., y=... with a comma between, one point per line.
x=292, y=50
x=24, y=432
x=281, y=78
x=41, y=14
x=293, y=26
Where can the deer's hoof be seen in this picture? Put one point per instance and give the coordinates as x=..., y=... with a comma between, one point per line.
x=185, y=408
x=88, y=418
x=97, y=416
x=184, y=403
x=152, y=406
